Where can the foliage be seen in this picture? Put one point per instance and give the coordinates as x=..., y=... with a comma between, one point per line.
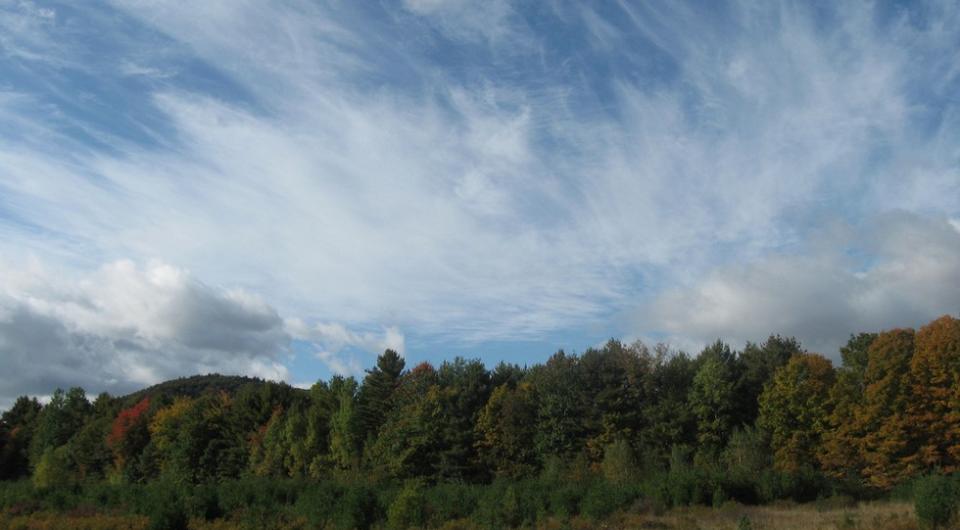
x=936, y=500
x=129, y=434
x=408, y=508
x=618, y=428
x=793, y=409
x=712, y=396
x=506, y=430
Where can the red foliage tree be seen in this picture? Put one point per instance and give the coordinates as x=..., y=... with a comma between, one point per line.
x=128, y=433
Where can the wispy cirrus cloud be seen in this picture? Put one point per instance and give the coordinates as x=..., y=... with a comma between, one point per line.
x=473, y=172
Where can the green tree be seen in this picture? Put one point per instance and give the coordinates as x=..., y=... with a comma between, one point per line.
x=87, y=450
x=410, y=435
x=17, y=426
x=464, y=389
x=58, y=421
x=758, y=365
x=506, y=430
x=713, y=397
x=794, y=410
x=613, y=383
x=377, y=390
x=619, y=464
x=208, y=446
x=345, y=425
x=52, y=469
x=669, y=419
x=560, y=431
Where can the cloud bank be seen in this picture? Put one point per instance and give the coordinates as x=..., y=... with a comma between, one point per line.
x=124, y=327
x=899, y=270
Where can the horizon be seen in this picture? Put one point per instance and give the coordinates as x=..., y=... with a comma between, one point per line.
x=283, y=191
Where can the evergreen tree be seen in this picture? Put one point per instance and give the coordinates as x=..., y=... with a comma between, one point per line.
x=758, y=365
x=376, y=391
x=560, y=429
x=713, y=396
x=18, y=425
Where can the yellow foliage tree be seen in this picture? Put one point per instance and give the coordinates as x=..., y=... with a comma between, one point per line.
x=166, y=422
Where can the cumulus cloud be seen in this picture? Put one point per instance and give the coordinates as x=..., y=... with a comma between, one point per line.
x=896, y=270
x=125, y=327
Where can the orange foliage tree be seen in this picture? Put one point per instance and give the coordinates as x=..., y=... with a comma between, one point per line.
x=882, y=418
x=934, y=409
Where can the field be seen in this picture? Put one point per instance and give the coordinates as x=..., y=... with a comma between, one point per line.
x=785, y=516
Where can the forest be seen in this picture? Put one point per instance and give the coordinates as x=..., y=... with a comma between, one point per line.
x=619, y=431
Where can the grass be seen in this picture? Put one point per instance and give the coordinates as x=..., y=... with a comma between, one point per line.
x=866, y=516
x=732, y=516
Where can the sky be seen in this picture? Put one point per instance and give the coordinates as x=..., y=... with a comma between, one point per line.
x=285, y=189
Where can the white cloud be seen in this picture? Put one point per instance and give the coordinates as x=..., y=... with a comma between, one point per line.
x=125, y=326
x=336, y=166
x=470, y=20
x=899, y=270
x=332, y=342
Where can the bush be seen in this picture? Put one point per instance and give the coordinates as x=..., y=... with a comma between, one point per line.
x=564, y=501
x=203, y=502
x=358, y=508
x=601, y=500
x=164, y=507
x=449, y=502
x=168, y=513
x=503, y=505
x=408, y=508
x=318, y=503
x=619, y=464
x=935, y=500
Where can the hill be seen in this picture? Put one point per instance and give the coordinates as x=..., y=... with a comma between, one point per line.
x=194, y=386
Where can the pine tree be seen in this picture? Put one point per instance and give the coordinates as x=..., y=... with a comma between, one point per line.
x=713, y=397
x=376, y=391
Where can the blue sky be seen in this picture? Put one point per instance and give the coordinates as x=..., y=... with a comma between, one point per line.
x=285, y=189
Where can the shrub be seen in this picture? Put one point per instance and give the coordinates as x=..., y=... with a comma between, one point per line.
x=935, y=500
x=318, y=503
x=564, y=501
x=408, y=508
x=203, y=502
x=619, y=465
x=168, y=514
x=449, y=501
x=358, y=508
x=602, y=499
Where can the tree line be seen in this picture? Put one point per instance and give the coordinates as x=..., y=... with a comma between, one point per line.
x=769, y=421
